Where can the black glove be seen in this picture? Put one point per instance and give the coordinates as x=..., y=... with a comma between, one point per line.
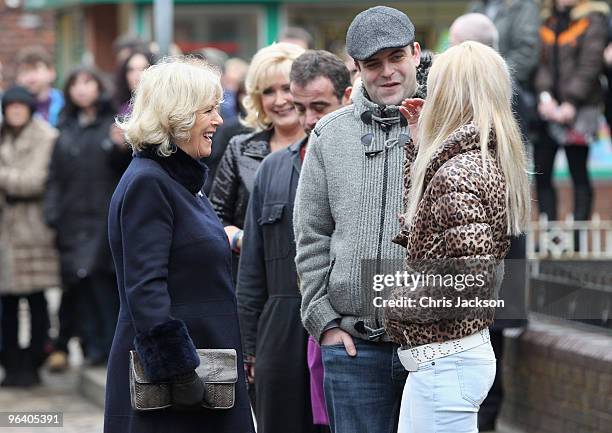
x=187, y=389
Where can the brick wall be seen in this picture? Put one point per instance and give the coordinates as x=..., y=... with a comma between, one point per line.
x=19, y=28
x=602, y=203
x=558, y=379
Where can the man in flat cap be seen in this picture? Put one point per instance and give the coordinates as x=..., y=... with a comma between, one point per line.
x=345, y=216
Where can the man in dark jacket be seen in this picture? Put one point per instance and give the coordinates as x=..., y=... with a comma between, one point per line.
x=268, y=295
x=517, y=22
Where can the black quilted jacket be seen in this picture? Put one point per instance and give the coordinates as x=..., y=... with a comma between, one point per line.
x=235, y=176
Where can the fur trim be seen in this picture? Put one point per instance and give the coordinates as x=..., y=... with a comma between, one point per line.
x=422, y=72
x=166, y=350
x=579, y=11
x=584, y=9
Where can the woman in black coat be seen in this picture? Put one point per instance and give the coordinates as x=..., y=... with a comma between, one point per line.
x=172, y=257
x=82, y=177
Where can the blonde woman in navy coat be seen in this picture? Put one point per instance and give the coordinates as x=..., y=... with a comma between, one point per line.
x=172, y=256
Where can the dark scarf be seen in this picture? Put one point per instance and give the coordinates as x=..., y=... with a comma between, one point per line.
x=181, y=167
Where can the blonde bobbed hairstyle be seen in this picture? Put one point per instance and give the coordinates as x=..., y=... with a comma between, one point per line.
x=166, y=101
x=471, y=83
x=267, y=64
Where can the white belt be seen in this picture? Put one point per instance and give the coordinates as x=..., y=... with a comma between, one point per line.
x=411, y=358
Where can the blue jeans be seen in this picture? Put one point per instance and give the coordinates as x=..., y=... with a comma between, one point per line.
x=444, y=395
x=363, y=393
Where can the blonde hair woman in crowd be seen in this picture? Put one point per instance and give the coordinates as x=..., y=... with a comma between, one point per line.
x=466, y=192
x=172, y=257
x=270, y=112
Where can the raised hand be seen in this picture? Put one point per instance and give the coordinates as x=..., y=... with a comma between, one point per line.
x=411, y=109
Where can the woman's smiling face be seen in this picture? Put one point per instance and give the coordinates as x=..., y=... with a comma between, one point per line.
x=277, y=103
x=200, y=144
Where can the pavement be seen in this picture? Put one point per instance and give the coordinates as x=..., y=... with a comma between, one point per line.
x=78, y=393
x=59, y=393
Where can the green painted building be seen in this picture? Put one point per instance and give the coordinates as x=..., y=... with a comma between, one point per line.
x=86, y=28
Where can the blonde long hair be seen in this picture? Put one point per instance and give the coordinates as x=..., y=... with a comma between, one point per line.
x=471, y=83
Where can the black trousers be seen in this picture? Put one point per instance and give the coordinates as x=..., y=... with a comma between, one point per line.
x=39, y=323
x=99, y=301
x=67, y=316
x=89, y=310
x=544, y=152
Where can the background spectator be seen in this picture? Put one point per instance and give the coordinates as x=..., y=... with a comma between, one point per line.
x=128, y=76
x=474, y=27
x=222, y=137
x=234, y=73
x=81, y=181
x=125, y=45
x=35, y=72
x=232, y=111
x=573, y=35
x=28, y=260
x=298, y=36
x=517, y=22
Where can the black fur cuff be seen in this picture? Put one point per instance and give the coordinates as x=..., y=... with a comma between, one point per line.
x=166, y=350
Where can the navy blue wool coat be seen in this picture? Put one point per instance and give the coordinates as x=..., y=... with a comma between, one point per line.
x=173, y=272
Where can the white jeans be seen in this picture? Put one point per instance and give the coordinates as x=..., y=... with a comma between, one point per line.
x=444, y=395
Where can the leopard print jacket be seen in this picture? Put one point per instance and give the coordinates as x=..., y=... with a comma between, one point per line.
x=460, y=228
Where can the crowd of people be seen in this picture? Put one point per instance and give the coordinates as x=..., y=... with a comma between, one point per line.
x=204, y=202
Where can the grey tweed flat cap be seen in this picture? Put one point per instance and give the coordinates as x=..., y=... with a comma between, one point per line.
x=376, y=29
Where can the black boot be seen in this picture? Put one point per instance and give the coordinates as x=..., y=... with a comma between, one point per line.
x=29, y=369
x=10, y=362
x=486, y=422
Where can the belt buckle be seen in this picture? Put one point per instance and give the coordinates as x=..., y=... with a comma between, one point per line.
x=372, y=334
x=375, y=334
x=407, y=360
x=405, y=355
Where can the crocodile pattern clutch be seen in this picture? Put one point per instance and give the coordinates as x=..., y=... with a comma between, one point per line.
x=218, y=372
